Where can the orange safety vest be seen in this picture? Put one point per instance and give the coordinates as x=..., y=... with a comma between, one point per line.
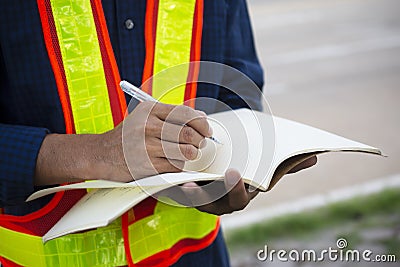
x=80, y=52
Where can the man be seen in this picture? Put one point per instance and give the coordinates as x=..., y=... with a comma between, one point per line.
x=40, y=86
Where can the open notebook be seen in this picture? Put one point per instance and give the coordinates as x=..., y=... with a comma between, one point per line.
x=262, y=147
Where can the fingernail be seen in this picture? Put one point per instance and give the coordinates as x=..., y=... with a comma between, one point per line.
x=190, y=185
x=210, y=131
x=203, y=143
x=202, y=113
x=232, y=177
x=190, y=189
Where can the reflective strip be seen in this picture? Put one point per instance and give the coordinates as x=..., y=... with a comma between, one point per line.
x=168, y=225
x=176, y=42
x=53, y=51
x=80, y=77
x=116, y=95
x=172, y=47
x=83, y=66
x=14, y=246
x=102, y=247
x=173, y=38
x=195, y=55
x=105, y=246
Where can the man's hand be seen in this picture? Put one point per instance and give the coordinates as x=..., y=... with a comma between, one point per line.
x=159, y=138
x=154, y=138
x=221, y=198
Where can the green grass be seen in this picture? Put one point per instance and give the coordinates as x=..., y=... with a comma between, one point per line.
x=392, y=246
x=361, y=210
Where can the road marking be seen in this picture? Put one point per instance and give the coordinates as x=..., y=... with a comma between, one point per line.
x=244, y=218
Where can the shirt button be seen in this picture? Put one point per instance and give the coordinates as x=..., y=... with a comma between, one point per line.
x=129, y=24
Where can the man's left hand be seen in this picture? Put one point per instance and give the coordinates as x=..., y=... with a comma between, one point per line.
x=222, y=198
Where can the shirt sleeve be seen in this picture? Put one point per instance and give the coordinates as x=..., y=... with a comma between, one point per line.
x=19, y=148
x=240, y=54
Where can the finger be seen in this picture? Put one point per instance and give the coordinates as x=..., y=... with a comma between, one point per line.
x=196, y=195
x=161, y=110
x=155, y=166
x=154, y=127
x=304, y=165
x=175, y=193
x=181, y=134
x=237, y=196
x=184, y=115
x=163, y=165
x=157, y=148
x=252, y=194
x=176, y=151
x=172, y=132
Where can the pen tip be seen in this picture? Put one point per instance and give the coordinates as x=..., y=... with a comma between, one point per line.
x=215, y=140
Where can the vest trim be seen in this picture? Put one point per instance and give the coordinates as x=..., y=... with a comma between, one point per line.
x=54, y=52
x=172, y=88
x=38, y=223
x=195, y=55
x=150, y=29
x=117, y=97
x=182, y=247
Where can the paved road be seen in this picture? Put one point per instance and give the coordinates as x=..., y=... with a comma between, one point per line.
x=334, y=65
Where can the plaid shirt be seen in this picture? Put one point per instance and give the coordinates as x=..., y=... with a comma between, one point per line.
x=29, y=103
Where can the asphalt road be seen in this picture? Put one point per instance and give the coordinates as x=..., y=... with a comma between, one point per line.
x=334, y=65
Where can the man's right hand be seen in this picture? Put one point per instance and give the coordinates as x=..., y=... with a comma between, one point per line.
x=154, y=138
x=159, y=138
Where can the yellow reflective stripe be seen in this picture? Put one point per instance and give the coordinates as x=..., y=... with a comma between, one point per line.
x=166, y=227
x=101, y=247
x=23, y=249
x=172, y=48
x=83, y=65
x=105, y=246
x=169, y=223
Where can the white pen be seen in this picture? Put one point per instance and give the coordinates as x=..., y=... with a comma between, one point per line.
x=142, y=96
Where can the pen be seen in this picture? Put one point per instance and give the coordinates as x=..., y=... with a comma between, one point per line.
x=142, y=96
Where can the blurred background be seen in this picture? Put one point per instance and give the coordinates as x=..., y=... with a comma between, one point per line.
x=334, y=65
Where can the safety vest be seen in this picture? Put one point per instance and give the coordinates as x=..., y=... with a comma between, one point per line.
x=152, y=233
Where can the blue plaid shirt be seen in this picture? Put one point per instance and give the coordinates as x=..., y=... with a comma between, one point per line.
x=29, y=104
